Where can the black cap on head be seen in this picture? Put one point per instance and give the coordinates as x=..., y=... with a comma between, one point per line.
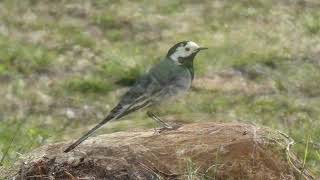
x=173, y=48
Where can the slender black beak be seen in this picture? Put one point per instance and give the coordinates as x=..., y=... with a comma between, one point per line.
x=202, y=48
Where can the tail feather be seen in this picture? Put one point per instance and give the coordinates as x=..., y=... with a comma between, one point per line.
x=88, y=134
x=116, y=113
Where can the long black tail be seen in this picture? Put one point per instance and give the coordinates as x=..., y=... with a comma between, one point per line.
x=88, y=134
x=115, y=113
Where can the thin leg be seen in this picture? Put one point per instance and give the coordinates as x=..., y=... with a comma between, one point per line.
x=158, y=120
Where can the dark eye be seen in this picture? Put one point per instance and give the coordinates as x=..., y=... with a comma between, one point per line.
x=187, y=49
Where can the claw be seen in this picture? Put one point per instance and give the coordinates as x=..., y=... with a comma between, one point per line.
x=160, y=130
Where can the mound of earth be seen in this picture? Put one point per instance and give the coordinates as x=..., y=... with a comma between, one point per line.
x=193, y=151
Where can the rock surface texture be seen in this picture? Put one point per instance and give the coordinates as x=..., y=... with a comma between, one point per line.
x=193, y=151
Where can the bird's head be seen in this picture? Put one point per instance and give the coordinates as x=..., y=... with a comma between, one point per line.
x=184, y=52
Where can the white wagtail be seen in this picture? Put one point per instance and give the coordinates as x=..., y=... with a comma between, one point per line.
x=172, y=76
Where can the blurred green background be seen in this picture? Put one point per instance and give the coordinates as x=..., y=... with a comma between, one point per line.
x=64, y=64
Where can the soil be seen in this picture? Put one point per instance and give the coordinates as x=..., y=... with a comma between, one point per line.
x=193, y=151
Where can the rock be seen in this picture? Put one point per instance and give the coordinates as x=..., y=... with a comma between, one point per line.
x=193, y=151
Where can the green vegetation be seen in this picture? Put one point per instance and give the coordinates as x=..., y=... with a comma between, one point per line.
x=22, y=58
x=92, y=85
x=64, y=64
x=21, y=135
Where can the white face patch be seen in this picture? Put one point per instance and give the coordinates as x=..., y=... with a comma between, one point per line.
x=184, y=51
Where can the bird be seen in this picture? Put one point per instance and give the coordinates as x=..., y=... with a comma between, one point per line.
x=172, y=76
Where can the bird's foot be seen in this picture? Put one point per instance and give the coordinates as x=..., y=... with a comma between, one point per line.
x=160, y=130
x=157, y=131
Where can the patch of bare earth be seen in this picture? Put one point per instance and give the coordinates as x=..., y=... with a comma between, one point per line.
x=206, y=150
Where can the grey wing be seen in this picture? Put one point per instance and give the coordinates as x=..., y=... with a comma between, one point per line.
x=149, y=90
x=137, y=97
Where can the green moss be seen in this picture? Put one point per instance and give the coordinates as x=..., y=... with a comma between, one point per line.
x=312, y=23
x=129, y=77
x=171, y=7
x=89, y=85
x=3, y=69
x=17, y=57
x=114, y=35
x=106, y=21
x=75, y=36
